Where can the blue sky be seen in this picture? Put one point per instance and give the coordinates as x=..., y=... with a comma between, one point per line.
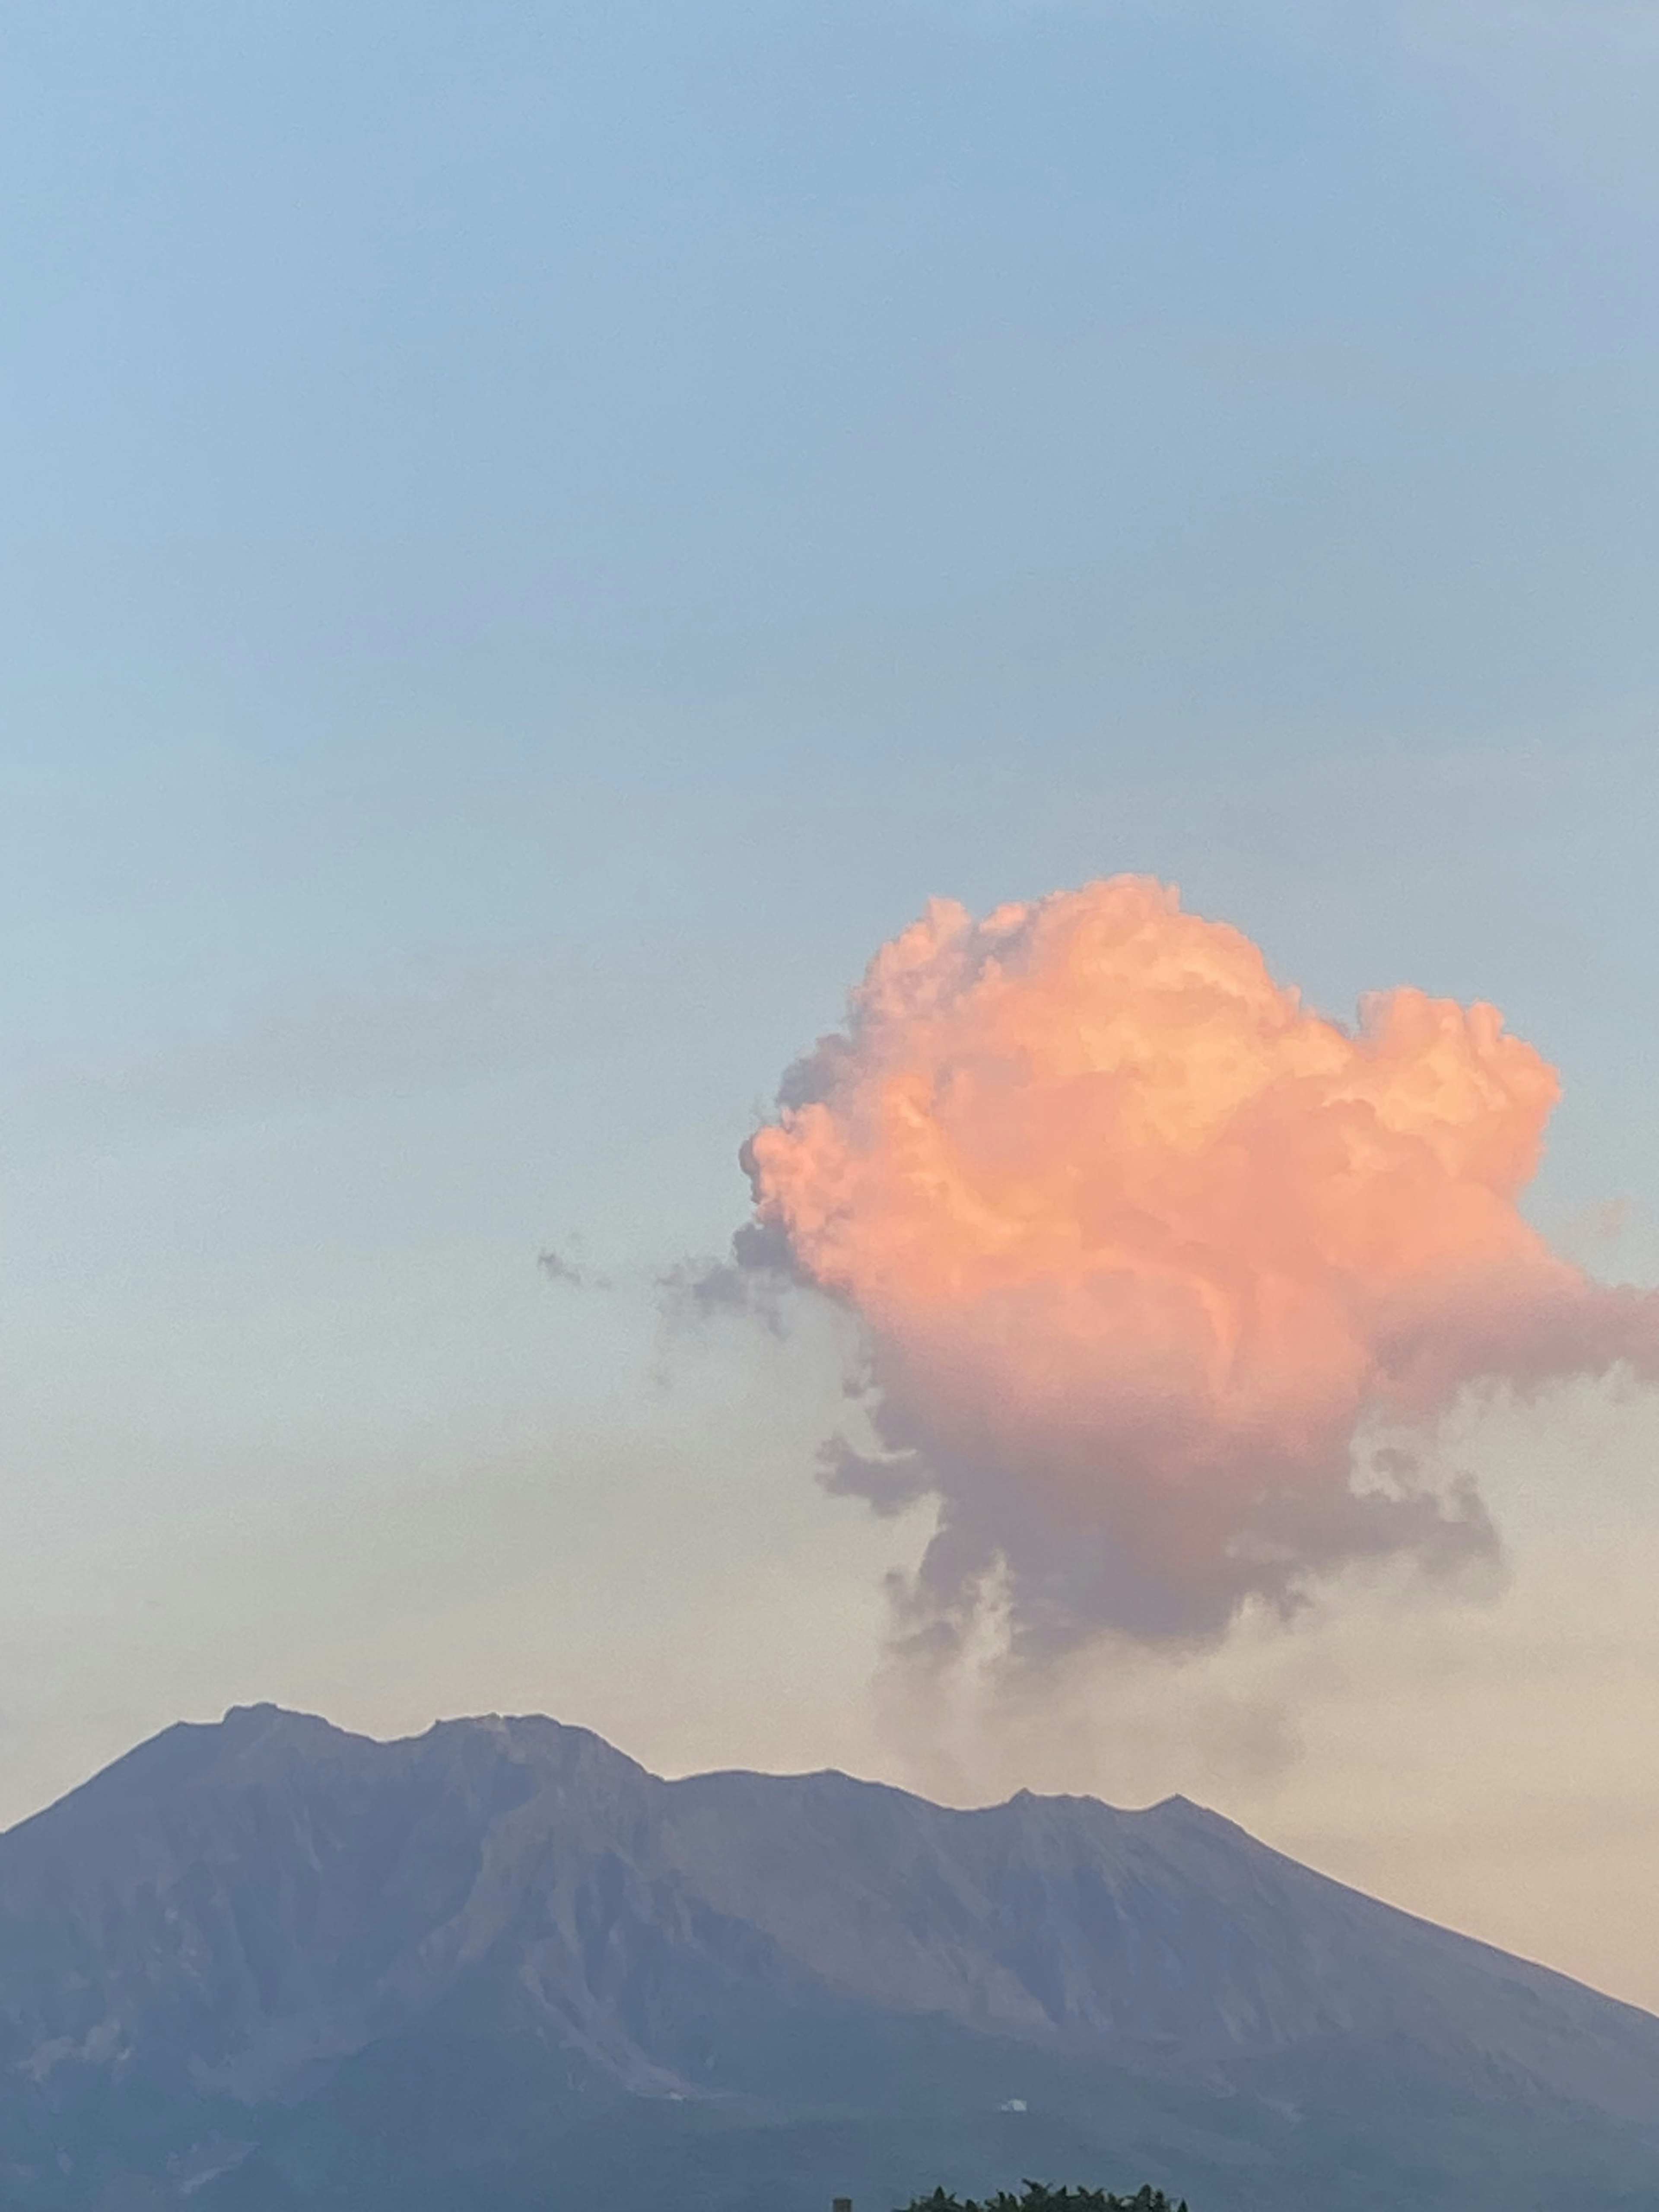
x=532, y=538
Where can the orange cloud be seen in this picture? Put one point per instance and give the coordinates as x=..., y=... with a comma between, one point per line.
x=1142, y=1247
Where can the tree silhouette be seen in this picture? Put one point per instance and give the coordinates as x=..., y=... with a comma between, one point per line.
x=1037, y=2196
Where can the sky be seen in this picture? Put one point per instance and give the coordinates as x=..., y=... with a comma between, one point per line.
x=535, y=539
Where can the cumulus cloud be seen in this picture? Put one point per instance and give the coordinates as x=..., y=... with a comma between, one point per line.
x=1166, y=1283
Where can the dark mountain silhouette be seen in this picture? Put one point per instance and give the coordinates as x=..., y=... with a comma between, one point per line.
x=269, y=1966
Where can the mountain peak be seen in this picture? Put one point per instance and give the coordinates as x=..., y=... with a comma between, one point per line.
x=1188, y=1812
x=503, y=1939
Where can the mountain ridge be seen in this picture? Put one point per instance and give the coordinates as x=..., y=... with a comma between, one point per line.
x=226, y=1935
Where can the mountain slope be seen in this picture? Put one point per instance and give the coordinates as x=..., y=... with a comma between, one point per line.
x=269, y=1964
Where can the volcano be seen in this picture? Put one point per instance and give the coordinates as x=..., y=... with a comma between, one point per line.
x=267, y=1965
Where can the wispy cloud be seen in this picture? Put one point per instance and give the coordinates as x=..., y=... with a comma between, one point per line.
x=569, y=1267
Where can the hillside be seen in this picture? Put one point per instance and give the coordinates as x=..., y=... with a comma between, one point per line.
x=269, y=1966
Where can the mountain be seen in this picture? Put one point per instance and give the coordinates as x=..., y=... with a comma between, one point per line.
x=265, y=1965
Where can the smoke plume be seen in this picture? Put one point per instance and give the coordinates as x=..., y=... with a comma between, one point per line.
x=1166, y=1282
